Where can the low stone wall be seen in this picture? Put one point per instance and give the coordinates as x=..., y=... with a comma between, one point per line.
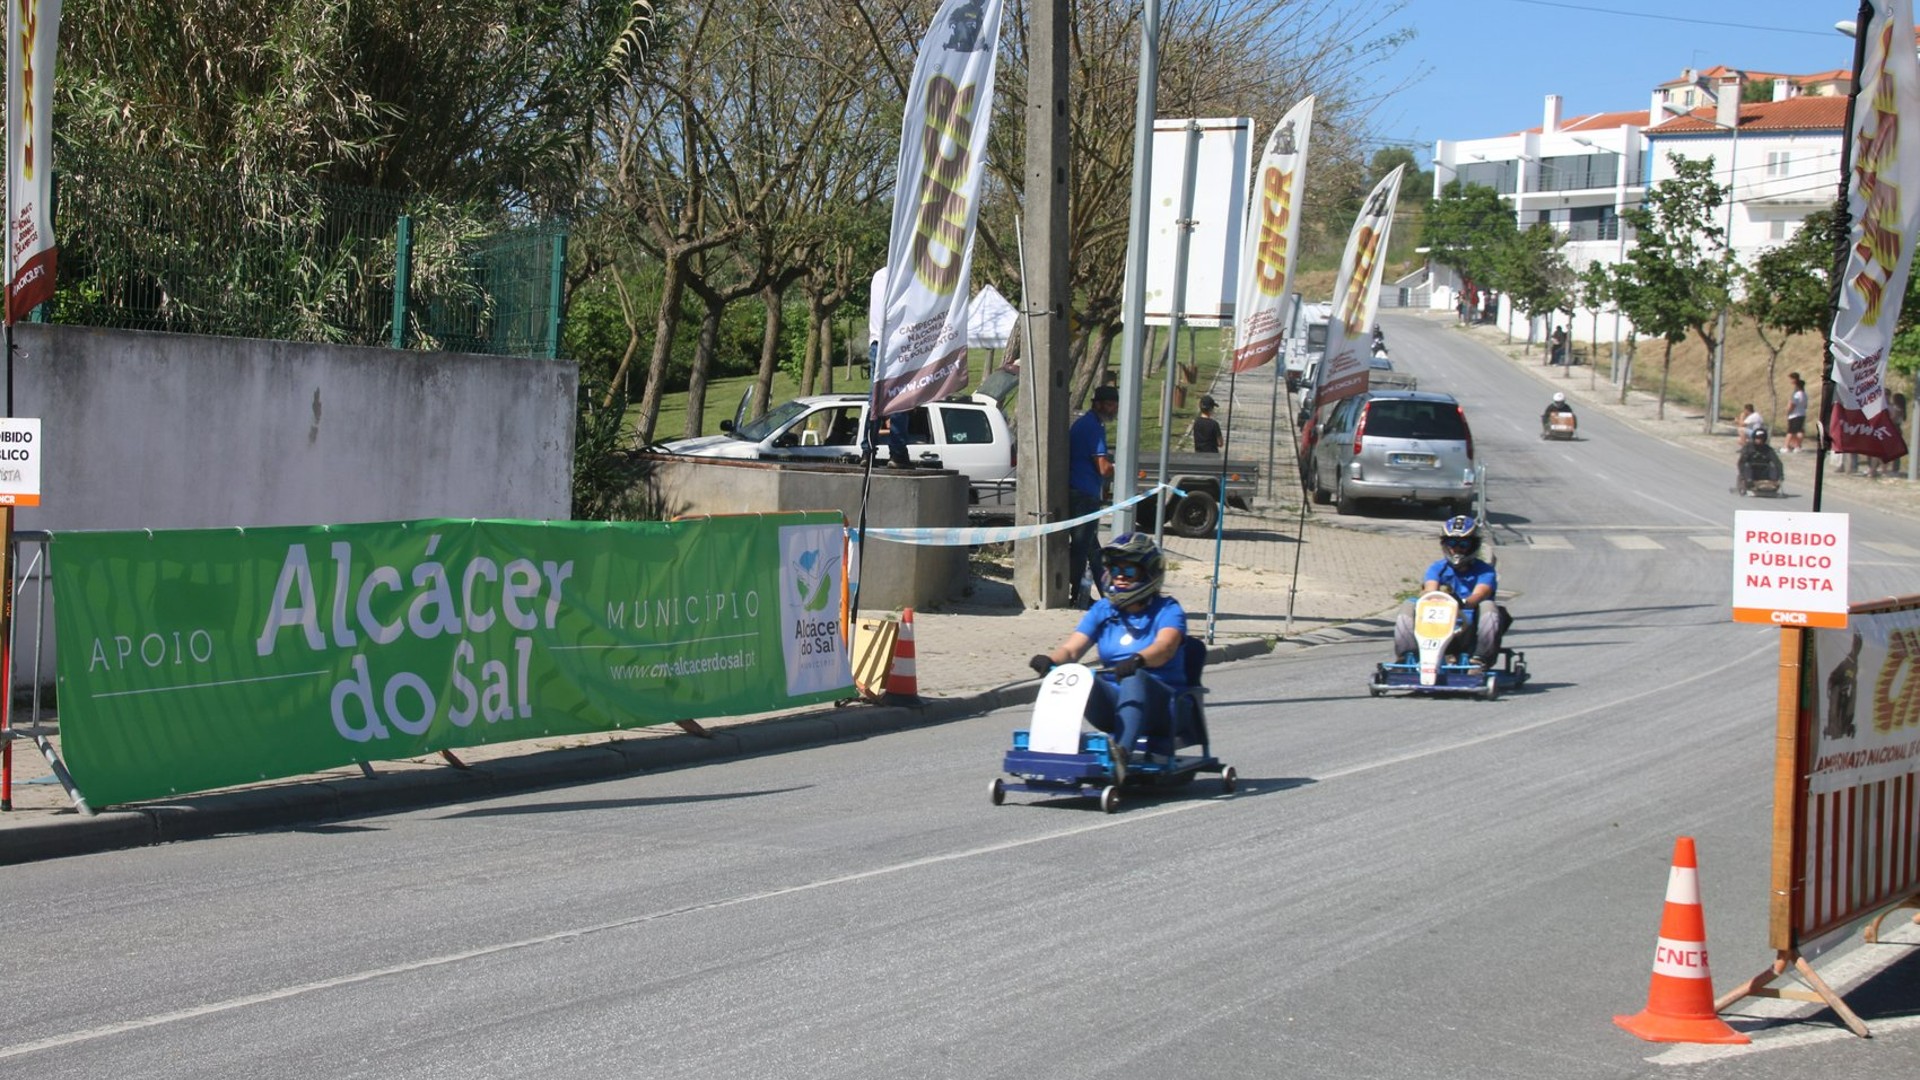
x=894, y=575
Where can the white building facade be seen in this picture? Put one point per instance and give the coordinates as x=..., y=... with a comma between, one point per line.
x=1579, y=174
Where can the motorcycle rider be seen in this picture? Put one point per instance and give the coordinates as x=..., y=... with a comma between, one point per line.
x=1139, y=633
x=1473, y=582
x=1557, y=405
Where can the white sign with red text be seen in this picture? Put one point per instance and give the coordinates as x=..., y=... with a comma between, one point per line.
x=1790, y=569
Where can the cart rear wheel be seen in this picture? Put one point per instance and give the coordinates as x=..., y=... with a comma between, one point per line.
x=1109, y=799
x=1229, y=779
x=997, y=792
x=1493, y=687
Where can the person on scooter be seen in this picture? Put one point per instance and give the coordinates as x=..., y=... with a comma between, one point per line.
x=1473, y=582
x=1557, y=405
x=1139, y=633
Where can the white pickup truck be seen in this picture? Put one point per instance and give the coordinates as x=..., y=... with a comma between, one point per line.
x=966, y=434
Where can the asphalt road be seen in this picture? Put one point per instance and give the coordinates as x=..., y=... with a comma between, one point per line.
x=1400, y=888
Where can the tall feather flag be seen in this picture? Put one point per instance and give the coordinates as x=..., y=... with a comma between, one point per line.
x=1883, y=196
x=1356, y=295
x=1273, y=235
x=943, y=150
x=33, y=33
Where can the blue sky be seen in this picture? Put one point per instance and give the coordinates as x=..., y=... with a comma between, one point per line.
x=1486, y=66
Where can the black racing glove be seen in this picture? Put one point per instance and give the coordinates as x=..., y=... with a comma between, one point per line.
x=1125, y=667
x=1041, y=664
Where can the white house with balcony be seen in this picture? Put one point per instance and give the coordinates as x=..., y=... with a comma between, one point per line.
x=1578, y=174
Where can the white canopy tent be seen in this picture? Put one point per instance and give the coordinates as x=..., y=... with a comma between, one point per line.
x=990, y=319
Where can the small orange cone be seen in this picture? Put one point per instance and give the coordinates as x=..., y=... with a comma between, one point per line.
x=1680, y=1001
x=903, y=685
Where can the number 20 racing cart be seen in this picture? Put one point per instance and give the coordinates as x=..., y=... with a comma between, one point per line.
x=1054, y=757
x=1435, y=668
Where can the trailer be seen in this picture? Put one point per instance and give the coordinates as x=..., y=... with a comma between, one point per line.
x=1207, y=482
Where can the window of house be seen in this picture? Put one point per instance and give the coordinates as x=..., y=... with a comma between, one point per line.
x=1777, y=230
x=1778, y=162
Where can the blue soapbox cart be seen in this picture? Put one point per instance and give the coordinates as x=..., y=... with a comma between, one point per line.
x=1054, y=757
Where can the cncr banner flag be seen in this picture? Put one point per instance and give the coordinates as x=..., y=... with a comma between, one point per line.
x=943, y=151
x=1356, y=295
x=1883, y=196
x=1273, y=233
x=33, y=35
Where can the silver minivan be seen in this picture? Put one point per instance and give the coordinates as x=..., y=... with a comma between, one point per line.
x=1393, y=444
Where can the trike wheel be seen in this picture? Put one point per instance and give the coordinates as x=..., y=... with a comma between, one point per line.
x=1229, y=779
x=997, y=791
x=1109, y=799
x=1493, y=687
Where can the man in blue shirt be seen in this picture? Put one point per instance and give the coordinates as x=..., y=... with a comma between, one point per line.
x=1139, y=633
x=1089, y=464
x=1472, y=581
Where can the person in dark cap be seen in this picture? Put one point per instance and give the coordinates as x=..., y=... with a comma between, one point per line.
x=1206, y=430
x=1089, y=465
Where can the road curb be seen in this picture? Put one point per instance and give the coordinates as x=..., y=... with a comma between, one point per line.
x=333, y=799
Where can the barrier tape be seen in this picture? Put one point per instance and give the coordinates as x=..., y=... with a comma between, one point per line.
x=1000, y=534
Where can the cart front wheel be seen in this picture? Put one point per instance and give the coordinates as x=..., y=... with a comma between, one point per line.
x=1229, y=780
x=1493, y=687
x=997, y=792
x=1109, y=799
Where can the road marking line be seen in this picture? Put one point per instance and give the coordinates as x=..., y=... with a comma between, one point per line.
x=1716, y=542
x=1888, y=547
x=213, y=1008
x=1635, y=543
x=1550, y=543
x=231, y=1004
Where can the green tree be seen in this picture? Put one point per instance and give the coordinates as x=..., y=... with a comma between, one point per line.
x=1533, y=272
x=1677, y=276
x=486, y=100
x=1787, y=291
x=1467, y=228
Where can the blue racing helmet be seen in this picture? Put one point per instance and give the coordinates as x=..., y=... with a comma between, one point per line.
x=1460, y=539
x=1135, y=568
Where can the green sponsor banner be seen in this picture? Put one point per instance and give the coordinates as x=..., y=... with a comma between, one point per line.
x=198, y=659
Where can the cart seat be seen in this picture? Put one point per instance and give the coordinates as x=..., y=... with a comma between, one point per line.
x=1189, y=715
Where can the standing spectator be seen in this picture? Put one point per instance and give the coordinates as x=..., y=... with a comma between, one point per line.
x=1796, y=413
x=1462, y=308
x=1899, y=421
x=1089, y=464
x=1558, y=351
x=1206, y=430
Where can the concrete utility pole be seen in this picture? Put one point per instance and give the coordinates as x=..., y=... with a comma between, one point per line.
x=1040, y=565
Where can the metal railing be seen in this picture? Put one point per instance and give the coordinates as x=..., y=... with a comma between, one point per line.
x=39, y=726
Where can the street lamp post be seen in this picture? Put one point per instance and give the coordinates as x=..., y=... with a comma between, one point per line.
x=1720, y=337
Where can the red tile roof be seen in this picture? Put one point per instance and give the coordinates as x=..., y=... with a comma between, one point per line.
x=1793, y=114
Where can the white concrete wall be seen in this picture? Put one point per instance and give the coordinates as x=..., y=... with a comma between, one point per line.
x=172, y=431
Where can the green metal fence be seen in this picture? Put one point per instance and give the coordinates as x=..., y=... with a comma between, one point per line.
x=284, y=257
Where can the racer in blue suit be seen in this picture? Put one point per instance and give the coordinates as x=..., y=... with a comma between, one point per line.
x=1139, y=633
x=1472, y=581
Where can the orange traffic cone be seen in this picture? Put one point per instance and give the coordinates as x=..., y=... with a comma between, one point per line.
x=1680, y=1001
x=903, y=685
